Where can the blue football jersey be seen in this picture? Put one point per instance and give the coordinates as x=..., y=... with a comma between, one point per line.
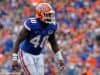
x=34, y=42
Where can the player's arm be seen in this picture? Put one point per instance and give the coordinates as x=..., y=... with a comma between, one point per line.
x=53, y=43
x=56, y=50
x=22, y=35
x=54, y=46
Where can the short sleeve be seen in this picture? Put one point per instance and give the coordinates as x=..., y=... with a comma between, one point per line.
x=29, y=22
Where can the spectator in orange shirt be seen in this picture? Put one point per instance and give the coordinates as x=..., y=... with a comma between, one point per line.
x=27, y=11
x=2, y=59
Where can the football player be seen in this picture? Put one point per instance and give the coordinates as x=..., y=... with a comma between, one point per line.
x=31, y=40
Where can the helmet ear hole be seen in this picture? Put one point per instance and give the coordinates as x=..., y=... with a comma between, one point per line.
x=42, y=15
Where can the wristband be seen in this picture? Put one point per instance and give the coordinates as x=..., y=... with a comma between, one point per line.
x=14, y=57
x=59, y=55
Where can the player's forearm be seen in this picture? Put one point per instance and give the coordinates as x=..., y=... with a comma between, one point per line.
x=56, y=50
x=54, y=46
x=13, y=54
x=22, y=35
x=16, y=46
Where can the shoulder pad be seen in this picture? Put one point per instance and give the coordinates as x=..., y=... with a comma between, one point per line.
x=29, y=22
x=33, y=20
x=54, y=26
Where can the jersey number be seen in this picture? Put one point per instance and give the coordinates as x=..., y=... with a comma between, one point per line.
x=36, y=41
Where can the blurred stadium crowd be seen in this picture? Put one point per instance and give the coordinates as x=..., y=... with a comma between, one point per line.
x=76, y=21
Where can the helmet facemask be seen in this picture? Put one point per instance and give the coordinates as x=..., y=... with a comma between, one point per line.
x=49, y=17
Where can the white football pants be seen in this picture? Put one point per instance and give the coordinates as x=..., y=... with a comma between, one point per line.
x=31, y=64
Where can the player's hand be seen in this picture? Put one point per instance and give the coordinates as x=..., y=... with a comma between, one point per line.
x=60, y=65
x=11, y=56
x=60, y=61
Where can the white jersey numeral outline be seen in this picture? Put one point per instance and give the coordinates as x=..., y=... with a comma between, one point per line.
x=36, y=41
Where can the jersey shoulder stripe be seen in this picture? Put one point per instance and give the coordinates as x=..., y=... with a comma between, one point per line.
x=33, y=20
x=29, y=22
